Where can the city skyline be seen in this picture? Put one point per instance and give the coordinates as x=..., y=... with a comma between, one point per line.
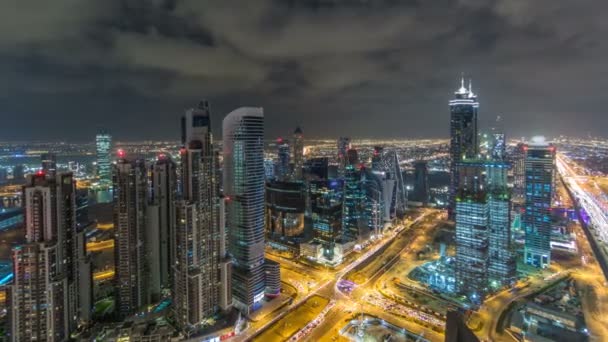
x=328, y=66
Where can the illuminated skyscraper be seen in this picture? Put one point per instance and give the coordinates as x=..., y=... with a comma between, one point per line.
x=484, y=256
x=472, y=240
x=421, y=182
x=536, y=221
x=104, y=163
x=51, y=291
x=200, y=264
x=326, y=198
x=353, y=222
x=283, y=158
x=129, y=206
x=298, y=153
x=498, y=147
x=243, y=143
x=518, y=159
x=160, y=248
x=463, y=136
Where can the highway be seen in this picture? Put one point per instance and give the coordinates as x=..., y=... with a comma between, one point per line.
x=595, y=205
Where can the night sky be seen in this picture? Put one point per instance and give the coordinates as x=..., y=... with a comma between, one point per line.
x=360, y=68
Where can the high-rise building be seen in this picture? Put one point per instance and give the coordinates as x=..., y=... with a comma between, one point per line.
x=484, y=256
x=518, y=158
x=283, y=159
x=51, y=291
x=389, y=170
x=373, y=205
x=501, y=263
x=298, y=153
x=536, y=220
x=317, y=168
x=463, y=136
x=326, y=197
x=269, y=169
x=129, y=210
x=472, y=240
x=353, y=225
x=48, y=162
x=285, y=206
x=199, y=286
x=498, y=147
x=243, y=143
x=160, y=227
x=104, y=163
x=421, y=182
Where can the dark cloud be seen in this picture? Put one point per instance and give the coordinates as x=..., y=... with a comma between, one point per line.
x=354, y=67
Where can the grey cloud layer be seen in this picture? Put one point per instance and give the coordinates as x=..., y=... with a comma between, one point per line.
x=329, y=65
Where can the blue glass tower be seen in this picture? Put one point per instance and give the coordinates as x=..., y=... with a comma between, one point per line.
x=539, y=174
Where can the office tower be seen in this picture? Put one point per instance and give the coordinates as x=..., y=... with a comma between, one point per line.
x=326, y=198
x=353, y=227
x=269, y=169
x=51, y=291
x=352, y=156
x=272, y=276
x=49, y=164
x=539, y=171
x=377, y=158
x=129, y=211
x=283, y=159
x=388, y=168
x=501, y=263
x=421, y=182
x=373, y=205
x=104, y=163
x=518, y=158
x=463, y=136
x=498, y=146
x=200, y=265
x=316, y=168
x=471, y=232
x=160, y=226
x=298, y=153
x=18, y=172
x=243, y=143
x=285, y=206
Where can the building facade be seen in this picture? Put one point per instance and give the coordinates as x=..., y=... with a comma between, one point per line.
x=200, y=264
x=129, y=212
x=243, y=171
x=463, y=136
x=539, y=172
x=160, y=227
x=51, y=294
x=103, y=142
x=298, y=153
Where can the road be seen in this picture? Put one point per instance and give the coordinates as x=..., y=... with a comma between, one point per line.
x=327, y=285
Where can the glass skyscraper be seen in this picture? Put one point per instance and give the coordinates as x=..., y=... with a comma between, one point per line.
x=283, y=159
x=298, y=153
x=104, y=163
x=539, y=167
x=463, y=136
x=243, y=144
x=471, y=232
x=353, y=207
